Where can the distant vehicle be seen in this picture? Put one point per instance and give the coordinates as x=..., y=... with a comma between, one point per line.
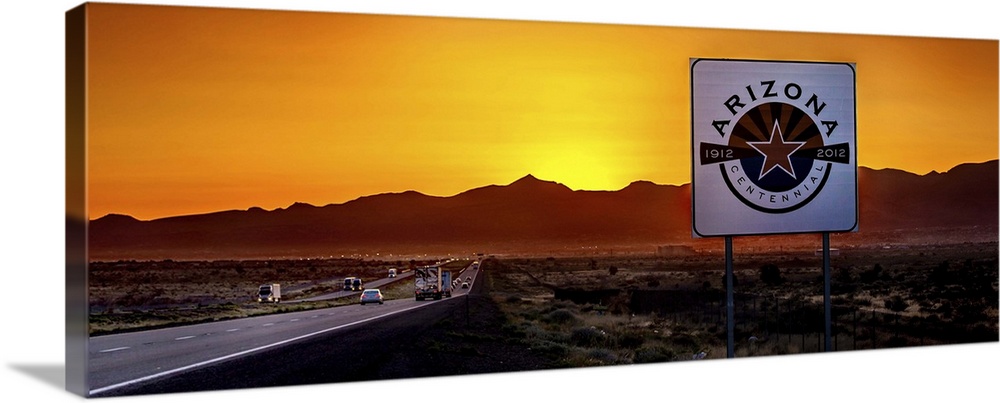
x=392, y=273
x=446, y=283
x=357, y=285
x=269, y=293
x=371, y=296
x=431, y=282
x=468, y=278
x=465, y=284
x=349, y=284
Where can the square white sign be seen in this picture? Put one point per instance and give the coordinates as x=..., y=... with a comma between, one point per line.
x=773, y=147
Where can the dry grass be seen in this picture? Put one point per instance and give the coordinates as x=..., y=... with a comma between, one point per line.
x=938, y=294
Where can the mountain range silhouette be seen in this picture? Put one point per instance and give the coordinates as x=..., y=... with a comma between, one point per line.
x=527, y=214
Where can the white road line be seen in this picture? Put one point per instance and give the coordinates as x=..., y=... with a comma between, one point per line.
x=114, y=349
x=184, y=338
x=245, y=352
x=294, y=320
x=232, y=330
x=267, y=324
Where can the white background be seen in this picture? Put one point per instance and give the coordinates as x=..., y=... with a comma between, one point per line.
x=32, y=207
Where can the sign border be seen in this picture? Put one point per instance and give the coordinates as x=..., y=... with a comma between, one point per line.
x=857, y=210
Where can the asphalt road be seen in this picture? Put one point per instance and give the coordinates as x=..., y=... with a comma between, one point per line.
x=372, y=284
x=325, y=345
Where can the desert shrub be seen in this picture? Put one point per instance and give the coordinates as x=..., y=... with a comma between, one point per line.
x=941, y=275
x=843, y=288
x=531, y=330
x=513, y=330
x=770, y=274
x=587, y=336
x=926, y=304
x=896, y=304
x=970, y=312
x=630, y=339
x=651, y=280
x=603, y=356
x=876, y=291
x=947, y=309
x=549, y=348
x=841, y=300
x=530, y=315
x=559, y=304
x=980, y=333
x=613, y=270
x=619, y=305
x=871, y=275
x=844, y=275
x=653, y=354
x=898, y=341
x=561, y=316
x=685, y=341
x=469, y=351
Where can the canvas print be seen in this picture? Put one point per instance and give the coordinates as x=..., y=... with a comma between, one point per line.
x=262, y=198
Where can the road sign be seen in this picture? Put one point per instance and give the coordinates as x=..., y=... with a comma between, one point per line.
x=773, y=147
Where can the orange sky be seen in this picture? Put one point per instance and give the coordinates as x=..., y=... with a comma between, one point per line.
x=194, y=110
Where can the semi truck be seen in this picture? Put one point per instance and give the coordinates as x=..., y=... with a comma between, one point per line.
x=446, y=283
x=431, y=282
x=269, y=293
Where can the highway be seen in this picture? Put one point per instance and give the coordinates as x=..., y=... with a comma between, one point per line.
x=373, y=284
x=129, y=361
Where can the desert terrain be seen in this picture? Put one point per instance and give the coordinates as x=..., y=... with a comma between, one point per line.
x=613, y=306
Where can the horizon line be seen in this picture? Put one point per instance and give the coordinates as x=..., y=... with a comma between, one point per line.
x=526, y=176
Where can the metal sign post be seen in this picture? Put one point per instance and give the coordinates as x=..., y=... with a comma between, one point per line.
x=827, y=309
x=730, y=320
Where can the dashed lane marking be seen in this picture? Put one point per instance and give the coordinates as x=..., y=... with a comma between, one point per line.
x=246, y=352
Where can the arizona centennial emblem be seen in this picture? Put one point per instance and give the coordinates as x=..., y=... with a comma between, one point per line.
x=776, y=159
x=772, y=136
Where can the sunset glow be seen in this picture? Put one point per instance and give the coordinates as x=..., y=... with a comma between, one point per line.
x=194, y=110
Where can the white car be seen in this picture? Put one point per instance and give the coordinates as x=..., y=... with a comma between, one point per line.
x=372, y=295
